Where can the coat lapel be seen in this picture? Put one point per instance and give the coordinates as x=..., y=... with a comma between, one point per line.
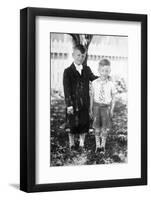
x=75, y=72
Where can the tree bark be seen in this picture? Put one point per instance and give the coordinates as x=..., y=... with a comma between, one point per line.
x=85, y=40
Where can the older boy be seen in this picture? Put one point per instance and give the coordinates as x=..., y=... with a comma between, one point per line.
x=76, y=89
x=102, y=104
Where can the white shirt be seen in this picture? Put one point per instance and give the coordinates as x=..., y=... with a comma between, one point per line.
x=103, y=91
x=78, y=68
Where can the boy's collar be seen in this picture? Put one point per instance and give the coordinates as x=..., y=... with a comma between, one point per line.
x=106, y=80
x=78, y=66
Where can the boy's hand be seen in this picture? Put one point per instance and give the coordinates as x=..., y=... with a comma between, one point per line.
x=111, y=113
x=70, y=110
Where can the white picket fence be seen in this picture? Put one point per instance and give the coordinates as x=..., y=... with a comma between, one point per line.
x=113, y=48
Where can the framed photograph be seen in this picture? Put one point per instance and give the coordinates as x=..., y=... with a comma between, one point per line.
x=83, y=99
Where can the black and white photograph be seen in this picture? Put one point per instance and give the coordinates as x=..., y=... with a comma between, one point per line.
x=88, y=99
x=83, y=99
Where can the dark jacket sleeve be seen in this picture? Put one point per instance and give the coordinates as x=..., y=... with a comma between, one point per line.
x=67, y=88
x=92, y=77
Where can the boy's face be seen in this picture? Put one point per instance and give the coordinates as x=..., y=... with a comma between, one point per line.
x=78, y=57
x=104, y=71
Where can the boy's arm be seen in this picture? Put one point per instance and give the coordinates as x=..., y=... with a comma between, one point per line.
x=113, y=93
x=91, y=99
x=92, y=77
x=112, y=105
x=67, y=92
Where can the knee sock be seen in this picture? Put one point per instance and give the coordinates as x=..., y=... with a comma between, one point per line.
x=82, y=139
x=103, y=141
x=97, y=139
x=104, y=136
x=71, y=139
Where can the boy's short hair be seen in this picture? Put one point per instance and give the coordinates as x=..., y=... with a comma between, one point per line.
x=104, y=62
x=80, y=47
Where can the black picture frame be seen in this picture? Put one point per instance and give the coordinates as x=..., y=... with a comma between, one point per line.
x=28, y=99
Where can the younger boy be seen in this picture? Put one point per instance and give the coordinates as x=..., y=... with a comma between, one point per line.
x=102, y=104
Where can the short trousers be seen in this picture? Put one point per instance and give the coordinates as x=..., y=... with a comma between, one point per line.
x=101, y=116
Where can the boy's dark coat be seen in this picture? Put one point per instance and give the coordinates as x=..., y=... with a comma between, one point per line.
x=76, y=91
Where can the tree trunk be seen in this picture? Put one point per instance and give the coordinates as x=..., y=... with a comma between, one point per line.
x=83, y=39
